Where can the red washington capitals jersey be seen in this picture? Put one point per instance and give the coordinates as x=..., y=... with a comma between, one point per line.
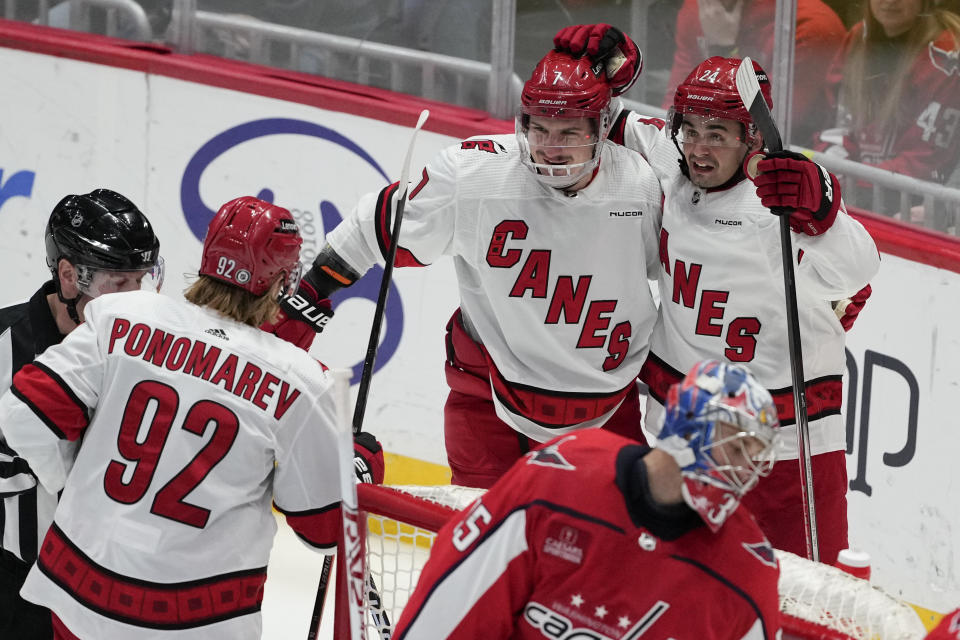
x=190, y=424
x=559, y=549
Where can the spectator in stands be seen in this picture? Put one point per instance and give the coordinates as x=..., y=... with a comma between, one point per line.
x=896, y=90
x=96, y=243
x=592, y=535
x=738, y=28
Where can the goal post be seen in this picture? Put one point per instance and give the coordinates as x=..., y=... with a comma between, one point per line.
x=817, y=601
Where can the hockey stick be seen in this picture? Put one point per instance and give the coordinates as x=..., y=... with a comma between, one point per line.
x=374, y=342
x=367, y=374
x=749, y=89
x=353, y=528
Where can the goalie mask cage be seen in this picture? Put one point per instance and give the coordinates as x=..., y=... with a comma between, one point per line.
x=816, y=601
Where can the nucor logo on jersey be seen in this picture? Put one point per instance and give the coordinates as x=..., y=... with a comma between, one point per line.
x=558, y=627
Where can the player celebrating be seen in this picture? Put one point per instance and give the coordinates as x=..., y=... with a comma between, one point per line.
x=553, y=234
x=721, y=276
x=96, y=243
x=192, y=418
x=534, y=557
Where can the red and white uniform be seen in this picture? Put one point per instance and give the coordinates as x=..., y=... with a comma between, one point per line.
x=927, y=143
x=819, y=33
x=553, y=286
x=190, y=424
x=722, y=296
x=567, y=541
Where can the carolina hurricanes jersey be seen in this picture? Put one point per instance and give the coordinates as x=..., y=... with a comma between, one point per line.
x=722, y=292
x=568, y=545
x=191, y=423
x=554, y=285
x=926, y=145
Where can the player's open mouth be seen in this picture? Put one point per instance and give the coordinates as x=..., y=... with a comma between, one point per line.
x=700, y=167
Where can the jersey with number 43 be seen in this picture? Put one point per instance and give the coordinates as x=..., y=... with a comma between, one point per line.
x=555, y=551
x=190, y=424
x=722, y=292
x=554, y=285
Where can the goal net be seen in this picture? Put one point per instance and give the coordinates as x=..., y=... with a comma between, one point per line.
x=817, y=601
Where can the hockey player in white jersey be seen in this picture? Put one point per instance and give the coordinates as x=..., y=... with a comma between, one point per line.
x=553, y=234
x=721, y=276
x=192, y=420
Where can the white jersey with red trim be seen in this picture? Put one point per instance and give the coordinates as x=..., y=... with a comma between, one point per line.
x=553, y=284
x=190, y=424
x=567, y=545
x=722, y=292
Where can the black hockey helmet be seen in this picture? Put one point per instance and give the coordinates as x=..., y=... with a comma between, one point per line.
x=102, y=230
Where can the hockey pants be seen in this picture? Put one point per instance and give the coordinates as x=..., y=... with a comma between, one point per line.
x=777, y=504
x=480, y=446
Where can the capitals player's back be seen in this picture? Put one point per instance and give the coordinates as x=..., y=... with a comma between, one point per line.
x=590, y=534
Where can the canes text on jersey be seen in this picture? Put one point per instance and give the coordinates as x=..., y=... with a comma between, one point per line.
x=567, y=300
x=740, y=332
x=180, y=353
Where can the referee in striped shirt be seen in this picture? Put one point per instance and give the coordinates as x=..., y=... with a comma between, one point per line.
x=96, y=243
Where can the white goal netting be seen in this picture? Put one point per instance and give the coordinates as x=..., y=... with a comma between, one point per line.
x=816, y=600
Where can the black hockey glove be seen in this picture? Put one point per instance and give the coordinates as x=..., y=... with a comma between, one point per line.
x=368, y=459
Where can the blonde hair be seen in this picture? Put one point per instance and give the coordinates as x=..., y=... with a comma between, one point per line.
x=234, y=302
x=865, y=106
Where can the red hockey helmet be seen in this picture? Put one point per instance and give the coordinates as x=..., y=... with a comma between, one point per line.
x=711, y=91
x=249, y=242
x=562, y=86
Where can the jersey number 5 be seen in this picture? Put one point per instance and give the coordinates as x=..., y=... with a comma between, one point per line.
x=142, y=453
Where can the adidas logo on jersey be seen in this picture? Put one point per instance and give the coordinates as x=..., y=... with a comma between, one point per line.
x=217, y=333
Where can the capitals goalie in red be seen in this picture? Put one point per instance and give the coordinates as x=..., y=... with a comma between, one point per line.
x=596, y=536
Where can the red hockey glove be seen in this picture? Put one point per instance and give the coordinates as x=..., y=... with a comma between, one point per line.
x=789, y=182
x=605, y=44
x=302, y=317
x=368, y=458
x=848, y=309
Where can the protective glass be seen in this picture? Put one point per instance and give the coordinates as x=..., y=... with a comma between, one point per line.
x=96, y=281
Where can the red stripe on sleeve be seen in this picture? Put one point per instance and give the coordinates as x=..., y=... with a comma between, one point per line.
x=320, y=527
x=51, y=400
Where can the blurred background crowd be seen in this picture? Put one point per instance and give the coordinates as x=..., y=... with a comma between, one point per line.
x=875, y=83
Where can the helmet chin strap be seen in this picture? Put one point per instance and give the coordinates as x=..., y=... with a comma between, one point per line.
x=70, y=303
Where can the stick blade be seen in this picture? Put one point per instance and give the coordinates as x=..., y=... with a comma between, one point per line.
x=405, y=171
x=749, y=89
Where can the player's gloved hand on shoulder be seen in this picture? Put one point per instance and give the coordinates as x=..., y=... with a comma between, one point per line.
x=302, y=316
x=603, y=43
x=790, y=183
x=368, y=459
x=849, y=309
